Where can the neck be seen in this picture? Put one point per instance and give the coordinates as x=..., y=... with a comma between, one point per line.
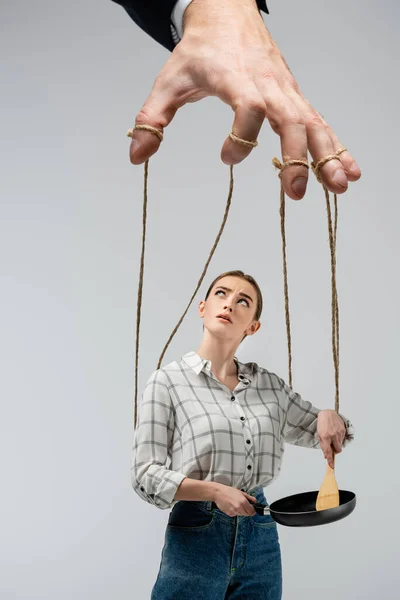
x=221, y=354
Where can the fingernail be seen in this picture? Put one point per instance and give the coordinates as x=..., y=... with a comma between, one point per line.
x=134, y=145
x=340, y=178
x=354, y=167
x=299, y=186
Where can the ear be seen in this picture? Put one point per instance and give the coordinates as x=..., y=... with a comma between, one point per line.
x=253, y=328
x=202, y=305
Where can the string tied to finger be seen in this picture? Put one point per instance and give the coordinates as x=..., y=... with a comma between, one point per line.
x=154, y=130
x=317, y=166
x=141, y=275
x=242, y=142
x=281, y=166
x=332, y=230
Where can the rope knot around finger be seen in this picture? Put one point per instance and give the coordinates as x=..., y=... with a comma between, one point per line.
x=317, y=166
x=154, y=130
x=242, y=142
x=281, y=166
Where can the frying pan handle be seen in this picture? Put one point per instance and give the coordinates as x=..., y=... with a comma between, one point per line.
x=261, y=509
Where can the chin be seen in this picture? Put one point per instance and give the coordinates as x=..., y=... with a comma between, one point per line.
x=217, y=333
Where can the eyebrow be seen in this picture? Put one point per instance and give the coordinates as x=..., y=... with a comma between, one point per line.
x=221, y=287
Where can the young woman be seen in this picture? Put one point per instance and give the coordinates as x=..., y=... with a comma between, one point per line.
x=210, y=436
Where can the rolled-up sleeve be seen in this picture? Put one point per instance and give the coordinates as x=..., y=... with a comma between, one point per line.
x=152, y=480
x=301, y=420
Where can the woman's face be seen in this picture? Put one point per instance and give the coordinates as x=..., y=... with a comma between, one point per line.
x=236, y=298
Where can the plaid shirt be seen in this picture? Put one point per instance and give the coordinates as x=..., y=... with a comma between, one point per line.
x=192, y=425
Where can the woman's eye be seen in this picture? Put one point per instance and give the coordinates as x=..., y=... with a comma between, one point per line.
x=222, y=292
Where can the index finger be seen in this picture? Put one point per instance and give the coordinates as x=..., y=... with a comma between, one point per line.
x=326, y=447
x=158, y=111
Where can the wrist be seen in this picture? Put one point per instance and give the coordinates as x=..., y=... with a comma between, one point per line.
x=214, y=488
x=207, y=13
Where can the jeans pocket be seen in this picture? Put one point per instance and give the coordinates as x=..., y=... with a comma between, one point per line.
x=265, y=521
x=188, y=516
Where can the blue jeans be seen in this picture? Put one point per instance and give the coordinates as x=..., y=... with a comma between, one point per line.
x=208, y=555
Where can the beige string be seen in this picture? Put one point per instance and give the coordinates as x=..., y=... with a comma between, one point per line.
x=242, y=142
x=158, y=133
x=332, y=244
x=140, y=290
x=281, y=166
x=228, y=204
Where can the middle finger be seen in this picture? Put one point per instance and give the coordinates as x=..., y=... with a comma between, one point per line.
x=285, y=120
x=349, y=165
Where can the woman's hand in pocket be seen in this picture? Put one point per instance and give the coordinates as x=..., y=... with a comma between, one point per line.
x=234, y=502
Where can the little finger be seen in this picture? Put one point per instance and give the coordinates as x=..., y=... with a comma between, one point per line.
x=320, y=145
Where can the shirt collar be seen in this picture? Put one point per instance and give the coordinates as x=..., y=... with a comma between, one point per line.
x=198, y=364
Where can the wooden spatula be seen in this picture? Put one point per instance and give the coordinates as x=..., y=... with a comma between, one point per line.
x=328, y=496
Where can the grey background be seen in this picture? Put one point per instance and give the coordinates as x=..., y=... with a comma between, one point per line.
x=74, y=75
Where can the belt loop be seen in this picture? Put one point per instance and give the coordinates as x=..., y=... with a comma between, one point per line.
x=209, y=504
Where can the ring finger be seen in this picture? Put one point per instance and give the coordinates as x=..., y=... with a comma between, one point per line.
x=349, y=165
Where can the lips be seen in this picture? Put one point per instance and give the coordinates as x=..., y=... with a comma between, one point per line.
x=225, y=317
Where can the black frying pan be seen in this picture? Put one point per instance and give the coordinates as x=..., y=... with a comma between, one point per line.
x=299, y=510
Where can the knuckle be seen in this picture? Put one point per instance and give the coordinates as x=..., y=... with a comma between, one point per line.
x=313, y=119
x=285, y=114
x=147, y=116
x=294, y=120
x=254, y=105
x=267, y=75
x=144, y=116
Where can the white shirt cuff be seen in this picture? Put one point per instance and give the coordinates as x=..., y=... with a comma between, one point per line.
x=177, y=16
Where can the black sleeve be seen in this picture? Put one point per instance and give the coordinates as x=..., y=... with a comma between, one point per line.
x=154, y=17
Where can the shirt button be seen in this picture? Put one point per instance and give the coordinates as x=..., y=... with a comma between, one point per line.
x=242, y=418
x=232, y=397
x=249, y=466
x=247, y=441
x=141, y=488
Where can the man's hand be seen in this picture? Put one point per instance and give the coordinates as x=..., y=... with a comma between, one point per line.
x=227, y=51
x=331, y=432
